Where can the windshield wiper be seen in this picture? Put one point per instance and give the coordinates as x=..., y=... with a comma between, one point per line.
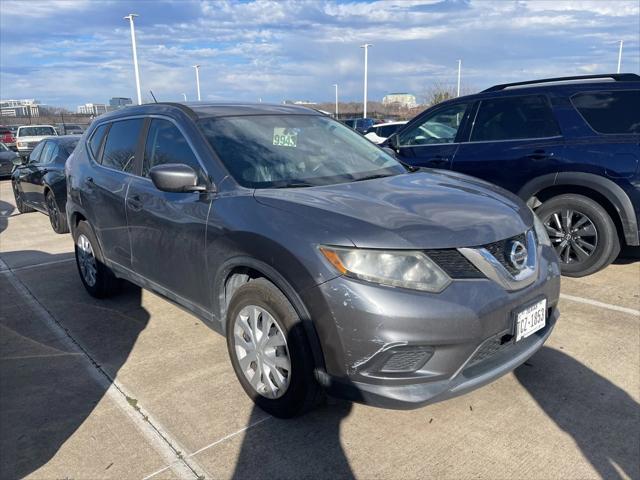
x=295, y=185
x=371, y=177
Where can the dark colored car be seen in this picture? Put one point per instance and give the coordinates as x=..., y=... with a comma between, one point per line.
x=7, y=158
x=39, y=182
x=325, y=261
x=360, y=124
x=569, y=147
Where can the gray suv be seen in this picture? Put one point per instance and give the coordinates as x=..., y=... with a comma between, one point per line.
x=328, y=264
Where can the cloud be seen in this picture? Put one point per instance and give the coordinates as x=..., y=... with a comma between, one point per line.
x=80, y=50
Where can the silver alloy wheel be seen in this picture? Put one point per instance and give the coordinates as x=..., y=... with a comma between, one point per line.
x=261, y=350
x=86, y=260
x=573, y=235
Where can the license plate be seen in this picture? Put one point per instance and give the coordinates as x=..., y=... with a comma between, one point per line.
x=531, y=319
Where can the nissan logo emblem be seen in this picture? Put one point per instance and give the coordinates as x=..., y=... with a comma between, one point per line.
x=518, y=255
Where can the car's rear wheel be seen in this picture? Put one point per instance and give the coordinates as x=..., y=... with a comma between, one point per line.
x=57, y=218
x=269, y=350
x=97, y=278
x=582, y=233
x=20, y=205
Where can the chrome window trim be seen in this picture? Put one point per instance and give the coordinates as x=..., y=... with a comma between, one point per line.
x=484, y=261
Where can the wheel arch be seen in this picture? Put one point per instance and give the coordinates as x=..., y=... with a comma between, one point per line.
x=602, y=190
x=239, y=270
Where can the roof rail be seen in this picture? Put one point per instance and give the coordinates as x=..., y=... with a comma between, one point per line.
x=618, y=77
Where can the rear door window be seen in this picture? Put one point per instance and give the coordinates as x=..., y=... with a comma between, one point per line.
x=512, y=118
x=610, y=112
x=121, y=143
x=166, y=144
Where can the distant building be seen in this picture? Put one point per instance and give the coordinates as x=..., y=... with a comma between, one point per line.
x=401, y=99
x=119, y=102
x=20, y=108
x=92, y=109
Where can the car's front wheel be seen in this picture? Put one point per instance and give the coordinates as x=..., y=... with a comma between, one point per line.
x=57, y=218
x=582, y=233
x=269, y=350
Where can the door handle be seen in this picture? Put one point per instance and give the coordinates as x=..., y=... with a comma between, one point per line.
x=538, y=155
x=439, y=160
x=134, y=203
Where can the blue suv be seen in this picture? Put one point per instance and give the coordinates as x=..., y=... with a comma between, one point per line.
x=567, y=146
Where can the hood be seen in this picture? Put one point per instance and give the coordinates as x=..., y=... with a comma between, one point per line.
x=432, y=209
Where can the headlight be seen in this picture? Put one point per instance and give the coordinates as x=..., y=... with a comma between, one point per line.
x=396, y=268
x=22, y=144
x=541, y=231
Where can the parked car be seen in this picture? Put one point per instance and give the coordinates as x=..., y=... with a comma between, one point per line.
x=568, y=146
x=379, y=133
x=7, y=157
x=69, y=129
x=360, y=124
x=7, y=137
x=39, y=182
x=325, y=261
x=28, y=136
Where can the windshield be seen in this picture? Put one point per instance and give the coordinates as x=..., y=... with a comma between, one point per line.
x=3, y=147
x=275, y=151
x=35, y=131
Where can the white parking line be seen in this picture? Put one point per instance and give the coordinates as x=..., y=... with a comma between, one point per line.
x=213, y=444
x=6, y=269
x=596, y=303
x=158, y=437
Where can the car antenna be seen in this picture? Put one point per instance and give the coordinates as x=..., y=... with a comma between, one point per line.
x=154, y=97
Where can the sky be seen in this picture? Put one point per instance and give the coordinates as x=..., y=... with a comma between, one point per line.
x=71, y=52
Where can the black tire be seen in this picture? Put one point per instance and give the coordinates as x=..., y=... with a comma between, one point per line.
x=303, y=392
x=20, y=205
x=57, y=218
x=104, y=283
x=571, y=248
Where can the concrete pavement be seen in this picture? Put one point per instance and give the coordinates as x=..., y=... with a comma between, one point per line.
x=134, y=387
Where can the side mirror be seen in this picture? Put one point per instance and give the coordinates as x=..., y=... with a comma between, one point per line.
x=392, y=142
x=175, y=177
x=19, y=160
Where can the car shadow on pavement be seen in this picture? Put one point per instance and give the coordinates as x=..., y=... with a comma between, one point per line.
x=305, y=447
x=602, y=419
x=6, y=209
x=48, y=388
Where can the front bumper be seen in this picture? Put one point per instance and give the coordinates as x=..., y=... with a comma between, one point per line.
x=361, y=324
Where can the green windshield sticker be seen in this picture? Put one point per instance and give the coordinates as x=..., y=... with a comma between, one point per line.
x=285, y=137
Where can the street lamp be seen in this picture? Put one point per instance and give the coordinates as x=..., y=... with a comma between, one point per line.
x=336, y=85
x=459, y=73
x=185, y=96
x=366, y=58
x=197, y=67
x=620, y=55
x=130, y=17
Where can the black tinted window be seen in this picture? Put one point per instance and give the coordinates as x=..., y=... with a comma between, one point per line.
x=96, y=140
x=49, y=153
x=166, y=144
x=35, y=155
x=514, y=117
x=120, y=146
x=610, y=112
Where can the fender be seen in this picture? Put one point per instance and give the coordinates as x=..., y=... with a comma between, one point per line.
x=285, y=287
x=616, y=195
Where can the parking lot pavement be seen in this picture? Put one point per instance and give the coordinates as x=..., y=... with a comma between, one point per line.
x=134, y=387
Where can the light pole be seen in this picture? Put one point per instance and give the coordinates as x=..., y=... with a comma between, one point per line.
x=620, y=55
x=130, y=17
x=366, y=60
x=459, y=73
x=185, y=96
x=197, y=67
x=336, y=85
